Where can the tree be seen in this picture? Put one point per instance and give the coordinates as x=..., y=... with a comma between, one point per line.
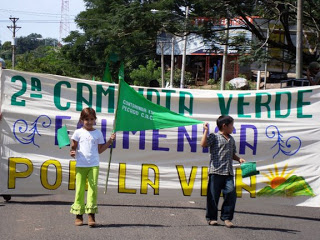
x=6, y=51
x=129, y=29
x=28, y=43
x=46, y=59
x=144, y=75
x=280, y=14
x=126, y=28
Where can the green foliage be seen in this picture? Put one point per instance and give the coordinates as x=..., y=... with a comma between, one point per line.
x=280, y=13
x=6, y=52
x=129, y=29
x=188, y=79
x=229, y=86
x=125, y=28
x=145, y=74
x=46, y=60
x=6, y=46
x=211, y=81
x=242, y=76
x=29, y=43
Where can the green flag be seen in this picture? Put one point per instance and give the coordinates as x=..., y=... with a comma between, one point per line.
x=121, y=71
x=62, y=137
x=136, y=113
x=249, y=169
x=107, y=75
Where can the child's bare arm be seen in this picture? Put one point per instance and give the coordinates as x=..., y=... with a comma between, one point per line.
x=74, y=145
x=309, y=77
x=103, y=147
x=236, y=158
x=203, y=142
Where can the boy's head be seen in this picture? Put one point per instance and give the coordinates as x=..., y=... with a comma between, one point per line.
x=224, y=120
x=86, y=112
x=314, y=68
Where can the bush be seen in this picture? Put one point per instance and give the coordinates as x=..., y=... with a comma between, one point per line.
x=211, y=81
x=46, y=60
x=145, y=74
x=188, y=79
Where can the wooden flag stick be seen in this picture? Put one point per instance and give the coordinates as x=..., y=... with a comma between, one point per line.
x=108, y=171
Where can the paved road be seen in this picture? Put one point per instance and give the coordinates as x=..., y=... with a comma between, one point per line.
x=130, y=217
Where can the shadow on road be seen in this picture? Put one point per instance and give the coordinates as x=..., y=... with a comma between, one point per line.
x=279, y=215
x=100, y=205
x=40, y=203
x=268, y=229
x=157, y=206
x=128, y=225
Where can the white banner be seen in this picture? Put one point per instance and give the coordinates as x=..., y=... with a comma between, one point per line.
x=278, y=129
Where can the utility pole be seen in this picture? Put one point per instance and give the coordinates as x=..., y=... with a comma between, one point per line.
x=162, y=64
x=183, y=68
x=172, y=61
x=225, y=56
x=13, y=29
x=266, y=64
x=299, y=40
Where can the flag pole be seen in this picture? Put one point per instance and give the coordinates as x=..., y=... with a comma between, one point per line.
x=108, y=171
x=110, y=156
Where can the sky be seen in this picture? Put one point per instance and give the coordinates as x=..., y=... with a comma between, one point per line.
x=36, y=16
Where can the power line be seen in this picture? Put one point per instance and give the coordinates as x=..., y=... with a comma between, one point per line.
x=58, y=15
x=38, y=21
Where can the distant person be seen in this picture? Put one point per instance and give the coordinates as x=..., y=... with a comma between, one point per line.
x=215, y=72
x=210, y=72
x=313, y=73
x=219, y=68
x=154, y=83
x=222, y=153
x=87, y=143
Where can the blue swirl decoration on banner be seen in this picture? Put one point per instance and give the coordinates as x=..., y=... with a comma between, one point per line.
x=283, y=146
x=29, y=131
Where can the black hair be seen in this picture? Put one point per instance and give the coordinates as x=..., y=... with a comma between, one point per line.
x=223, y=119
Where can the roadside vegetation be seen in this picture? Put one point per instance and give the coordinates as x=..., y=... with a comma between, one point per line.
x=126, y=31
